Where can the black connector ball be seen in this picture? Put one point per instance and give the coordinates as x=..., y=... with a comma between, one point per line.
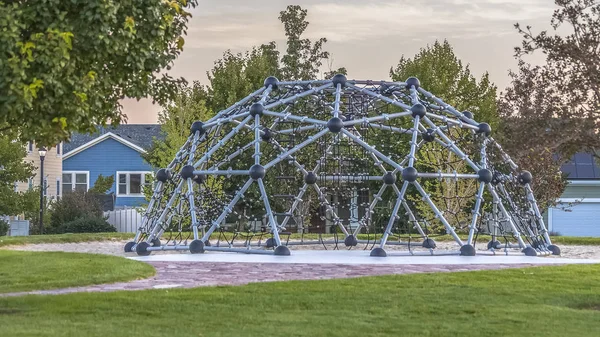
x=335, y=125
x=389, y=178
x=413, y=82
x=428, y=136
x=485, y=128
x=257, y=172
x=163, y=175
x=525, y=178
x=187, y=172
x=310, y=178
x=485, y=176
x=410, y=174
x=418, y=110
x=272, y=81
x=256, y=109
x=339, y=79
x=197, y=126
x=266, y=135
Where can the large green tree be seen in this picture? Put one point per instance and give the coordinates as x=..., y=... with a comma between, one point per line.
x=65, y=65
x=14, y=169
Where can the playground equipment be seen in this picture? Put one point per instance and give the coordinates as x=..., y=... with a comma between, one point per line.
x=341, y=164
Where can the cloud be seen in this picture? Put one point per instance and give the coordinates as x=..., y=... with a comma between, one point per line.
x=238, y=24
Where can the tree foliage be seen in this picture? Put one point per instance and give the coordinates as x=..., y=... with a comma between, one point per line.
x=443, y=74
x=552, y=110
x=66, y=65
x=14, y=169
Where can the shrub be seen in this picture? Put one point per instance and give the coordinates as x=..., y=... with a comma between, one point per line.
x=73, y=206
x=4, y=227
x=88, y=224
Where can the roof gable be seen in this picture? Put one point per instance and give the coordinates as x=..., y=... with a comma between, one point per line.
x=141, y=135
x=100, y=139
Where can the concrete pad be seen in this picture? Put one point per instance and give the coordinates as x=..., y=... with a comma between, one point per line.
x=355, y=257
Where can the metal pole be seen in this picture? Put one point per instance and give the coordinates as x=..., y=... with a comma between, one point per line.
x=42, y=187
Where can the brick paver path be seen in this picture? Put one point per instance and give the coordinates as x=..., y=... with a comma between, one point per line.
x=198, y=274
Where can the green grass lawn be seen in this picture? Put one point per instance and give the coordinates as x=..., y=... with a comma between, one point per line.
x=544, y=301
x=68, y=238
x=23, y=271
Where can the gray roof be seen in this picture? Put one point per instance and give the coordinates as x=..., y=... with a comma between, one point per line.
x=141, y=135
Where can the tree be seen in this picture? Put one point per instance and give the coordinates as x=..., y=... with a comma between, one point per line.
x=14, y=169
x=65, y=66
x=102, y=185
x=175, y=122
x=557, y=103
x=443, y=74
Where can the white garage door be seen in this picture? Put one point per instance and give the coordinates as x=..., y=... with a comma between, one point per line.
x=579, y=220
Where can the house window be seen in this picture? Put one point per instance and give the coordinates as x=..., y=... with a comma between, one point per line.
x=75, y=181
x=58, y=148
x=132, y=183
x=58, y=187
x=30, y=146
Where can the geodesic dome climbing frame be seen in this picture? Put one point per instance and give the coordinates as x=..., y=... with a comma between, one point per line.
x=370, y=164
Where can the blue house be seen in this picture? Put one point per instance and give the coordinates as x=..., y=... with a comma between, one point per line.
x=111, y=151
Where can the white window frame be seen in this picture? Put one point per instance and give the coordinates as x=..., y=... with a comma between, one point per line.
x=127, y=182
x=73, y=173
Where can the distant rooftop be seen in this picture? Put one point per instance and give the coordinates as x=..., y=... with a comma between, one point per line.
x=582, y=166
x=141, y=135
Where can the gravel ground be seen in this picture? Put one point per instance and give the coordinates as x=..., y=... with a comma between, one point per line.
x=116, y=248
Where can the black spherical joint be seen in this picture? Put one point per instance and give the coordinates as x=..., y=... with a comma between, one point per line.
x=339, y=79
x=256, y=109
x=197, y=126
x=378, y=252
x=200, y=179
x=266, y=135
x=484, y=128
x=413, y=82
x=494, y=244
x=525, y=178
x=257, y=172
x=468, y=114
x=129, y=246
x=197, y=247
x=142, y=249
x=310, y=178
x=335, y=125
x=350, y=241
x=282, y=251
x=187, y=172
x=529, y=251
x=389, y=178
x=429, y=243
x=270, y=243
x=467, y=250
x=410, y=174
x=428, y=136
x=485, y=176
x=163, y=175
x=384, y=89
x=272, y=81
x=497, y=179
x=156, y=243
x=418, y=110
x=554, y=249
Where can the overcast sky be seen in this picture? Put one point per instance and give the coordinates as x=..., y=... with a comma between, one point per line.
x=365, y=36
